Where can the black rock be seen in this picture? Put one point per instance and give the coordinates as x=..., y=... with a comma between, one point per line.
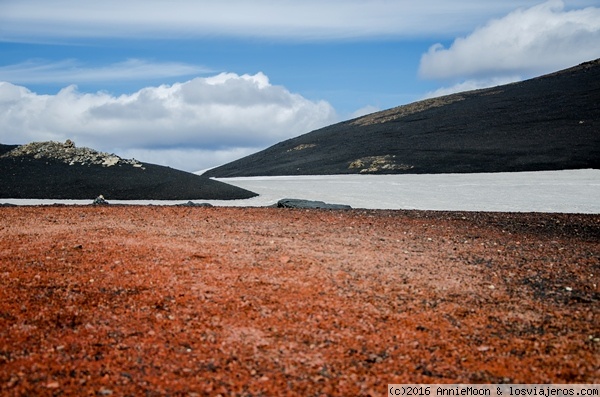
x=100, y=201
x=310, y=204
x=192, y=204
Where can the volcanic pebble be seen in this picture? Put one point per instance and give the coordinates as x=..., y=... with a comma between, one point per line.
x=149, y=300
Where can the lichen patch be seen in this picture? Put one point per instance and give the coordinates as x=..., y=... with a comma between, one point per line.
x=372, y=164
x=405, y=110
x=302, y=147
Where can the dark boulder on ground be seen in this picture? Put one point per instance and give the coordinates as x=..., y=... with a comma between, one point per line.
x=53, y=170
x=192, y=204
x=547, y=123
x=310, y=204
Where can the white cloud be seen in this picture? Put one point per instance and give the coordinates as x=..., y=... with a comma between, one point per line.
x=303, y=20
x=527, y=41
x=215, y=117
x=70, y=71
x=193, y=159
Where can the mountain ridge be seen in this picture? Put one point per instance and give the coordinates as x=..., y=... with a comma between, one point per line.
x=55, y=170
x=550, y=122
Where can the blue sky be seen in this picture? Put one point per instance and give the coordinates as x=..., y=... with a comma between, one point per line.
x=193, y=84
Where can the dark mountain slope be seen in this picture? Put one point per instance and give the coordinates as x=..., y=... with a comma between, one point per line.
x=547, y=123
x=51, y=170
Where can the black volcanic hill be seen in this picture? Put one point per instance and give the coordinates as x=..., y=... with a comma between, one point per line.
x=52, y=170
x=546, y=123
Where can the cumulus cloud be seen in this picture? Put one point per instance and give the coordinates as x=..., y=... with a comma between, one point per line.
x=527, y=41
x=191, y=125
x=190, y=159
x=303, y=20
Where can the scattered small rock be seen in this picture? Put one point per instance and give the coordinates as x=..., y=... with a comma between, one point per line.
x=68, y=153
x=109, y=161
x=52, y=385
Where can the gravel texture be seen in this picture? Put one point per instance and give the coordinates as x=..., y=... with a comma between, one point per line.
x=185, y=301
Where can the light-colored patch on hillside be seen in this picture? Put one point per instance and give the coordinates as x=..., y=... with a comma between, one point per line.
x=302, y=147
x=405, y=110
x=372, y=164
x=494, y=92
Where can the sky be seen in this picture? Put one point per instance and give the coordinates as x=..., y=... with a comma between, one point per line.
x=195, y=84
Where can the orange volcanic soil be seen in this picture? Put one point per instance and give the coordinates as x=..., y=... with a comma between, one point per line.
x=146, y=300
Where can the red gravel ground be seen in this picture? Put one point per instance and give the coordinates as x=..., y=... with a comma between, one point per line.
x=143, y=300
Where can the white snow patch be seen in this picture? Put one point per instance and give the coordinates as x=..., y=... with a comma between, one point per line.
x=569, y=191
